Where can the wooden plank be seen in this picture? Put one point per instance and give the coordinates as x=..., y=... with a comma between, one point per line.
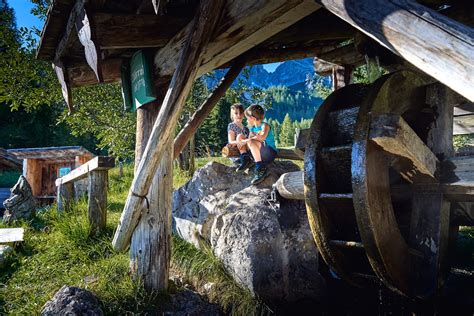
x=98, y=163
x=457, y=178
x=435, y=44
x=394, y=136
x=162, y=133
x=204, y=109
x=463, y=124
x=87, y=38
x=63, y=79
x=246, y=24
x=11, y=235
x=136, y=31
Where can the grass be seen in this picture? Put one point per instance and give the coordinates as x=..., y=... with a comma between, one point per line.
x=58, y=251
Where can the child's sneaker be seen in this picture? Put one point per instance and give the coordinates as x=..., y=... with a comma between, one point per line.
x=260, y=175
x=245, y=163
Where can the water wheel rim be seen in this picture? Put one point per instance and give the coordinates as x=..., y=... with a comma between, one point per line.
x=386, y=248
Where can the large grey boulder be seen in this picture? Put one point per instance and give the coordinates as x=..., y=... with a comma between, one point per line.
x=21, y=203
x=267, y=247
x=70, y=300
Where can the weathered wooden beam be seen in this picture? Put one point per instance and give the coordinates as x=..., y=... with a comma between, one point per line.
x=190, y=58
x=150, y=246
x=394, y=136
x=65, y=196
x=82, y=75
x=64, y=82
x=290, y=185
x=203, y=111
x=457, y=178
x=11, y=234
x=86, y=35
x=118, y=31
x=95, y=164
x=246, y=25
x=97, y=201
x=437, y=45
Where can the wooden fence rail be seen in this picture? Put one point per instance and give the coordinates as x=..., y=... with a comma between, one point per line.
x=96, y=170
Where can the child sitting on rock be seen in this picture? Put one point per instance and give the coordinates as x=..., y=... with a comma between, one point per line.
x=236, y=127
x=261, y=144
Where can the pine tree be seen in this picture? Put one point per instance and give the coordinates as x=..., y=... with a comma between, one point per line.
x=287, y=132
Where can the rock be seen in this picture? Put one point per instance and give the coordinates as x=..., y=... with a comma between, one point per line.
x=267, y=247
x=189, y=303
x=70, y=300
x=21, y=203
x=196, y=204
x=5, y=251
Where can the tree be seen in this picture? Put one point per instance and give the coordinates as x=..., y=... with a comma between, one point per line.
x=287, y=132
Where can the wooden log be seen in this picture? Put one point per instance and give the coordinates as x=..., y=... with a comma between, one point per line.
x=150, y=244
x=394, y=136
x=65, y=196
x=97, y=207
x=230, y=151
x=437, y=45
x=203, y=25
x=203, y=111
x=290, y=185
x=246, y=25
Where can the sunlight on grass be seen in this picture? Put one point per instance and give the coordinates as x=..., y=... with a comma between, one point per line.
x=58, y=250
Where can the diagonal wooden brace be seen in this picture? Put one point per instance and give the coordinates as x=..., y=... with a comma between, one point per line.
x=162, y=133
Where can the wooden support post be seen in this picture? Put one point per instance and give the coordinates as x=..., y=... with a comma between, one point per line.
x=290, y=185
x=435, y=44
x=97, y=209
x=430, y=227
x=204, y=23
x=203, y=111
x=65, y=196
x=150, y=248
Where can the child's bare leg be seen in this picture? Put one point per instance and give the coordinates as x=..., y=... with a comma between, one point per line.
x=242, y=148
x=254, y=146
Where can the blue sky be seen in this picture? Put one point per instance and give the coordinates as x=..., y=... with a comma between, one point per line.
x=24, y=18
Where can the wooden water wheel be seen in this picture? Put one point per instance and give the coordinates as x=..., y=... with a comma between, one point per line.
x=368, y=170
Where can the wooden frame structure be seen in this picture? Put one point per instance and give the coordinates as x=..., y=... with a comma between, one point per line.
x=96, y=172
x=86, y=45
x=41, y=166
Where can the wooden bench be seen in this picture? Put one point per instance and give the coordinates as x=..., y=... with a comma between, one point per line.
x=96, y=170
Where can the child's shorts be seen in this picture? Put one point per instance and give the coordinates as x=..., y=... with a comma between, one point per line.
x=267, y=153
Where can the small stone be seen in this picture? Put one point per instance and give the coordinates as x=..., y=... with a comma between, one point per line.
x=208, y=287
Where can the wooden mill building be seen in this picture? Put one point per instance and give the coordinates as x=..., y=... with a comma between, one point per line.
x=43, y=165
x=402, y=122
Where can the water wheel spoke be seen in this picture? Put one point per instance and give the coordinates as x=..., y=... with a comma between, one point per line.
x=412, y=158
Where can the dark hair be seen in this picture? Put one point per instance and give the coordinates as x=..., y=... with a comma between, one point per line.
x=236, y=106
x=256, y=111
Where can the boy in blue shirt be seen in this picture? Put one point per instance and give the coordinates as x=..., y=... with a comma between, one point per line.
x=261, y=143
